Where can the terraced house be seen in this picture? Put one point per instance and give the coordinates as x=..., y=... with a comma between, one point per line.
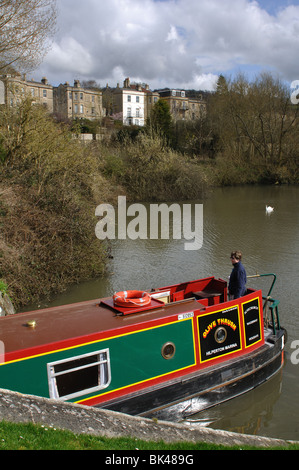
x=132, y=104
x=77, y=102
x=15, y=88
x=66, y=101
x=182, y=107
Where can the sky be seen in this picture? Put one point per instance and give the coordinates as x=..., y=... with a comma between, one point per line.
x=182, y=44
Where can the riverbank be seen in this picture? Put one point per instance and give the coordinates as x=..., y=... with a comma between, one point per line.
x=19, y=408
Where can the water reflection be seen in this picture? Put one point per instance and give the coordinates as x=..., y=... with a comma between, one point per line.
x=234, y=218
x=251, y=413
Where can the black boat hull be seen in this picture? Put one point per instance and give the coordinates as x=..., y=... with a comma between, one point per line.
x=190, y=394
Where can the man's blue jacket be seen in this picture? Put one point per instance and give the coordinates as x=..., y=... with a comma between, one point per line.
x=237, y=281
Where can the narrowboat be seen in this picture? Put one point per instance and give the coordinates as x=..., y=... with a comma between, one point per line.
x=165, y=352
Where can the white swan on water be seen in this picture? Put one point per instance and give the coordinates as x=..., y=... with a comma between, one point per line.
x=269, y=209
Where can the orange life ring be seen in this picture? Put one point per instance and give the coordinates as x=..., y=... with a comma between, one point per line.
x=132, y=298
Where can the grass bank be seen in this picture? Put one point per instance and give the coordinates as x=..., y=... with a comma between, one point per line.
x=35, y=437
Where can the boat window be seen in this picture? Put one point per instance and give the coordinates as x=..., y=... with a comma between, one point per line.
x=168, y=350
x=220, y=334
x=79, y=375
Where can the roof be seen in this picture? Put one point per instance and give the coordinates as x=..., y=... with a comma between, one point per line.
x=81, y=319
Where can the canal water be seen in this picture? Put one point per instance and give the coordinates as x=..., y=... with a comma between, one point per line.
x=233, y=218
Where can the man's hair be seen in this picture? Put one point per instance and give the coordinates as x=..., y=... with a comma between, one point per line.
x=236, y=254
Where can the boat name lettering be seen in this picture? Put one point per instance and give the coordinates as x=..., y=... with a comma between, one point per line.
x=223, y=348
x=254, y=307
x=218, y=322
x=183, y=316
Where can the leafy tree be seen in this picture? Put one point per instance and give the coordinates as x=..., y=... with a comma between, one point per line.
x=222, y=85
x=160, y=119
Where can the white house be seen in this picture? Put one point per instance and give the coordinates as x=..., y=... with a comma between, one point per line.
x=133, y=102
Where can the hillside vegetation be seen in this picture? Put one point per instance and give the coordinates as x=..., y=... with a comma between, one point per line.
x=49, y=188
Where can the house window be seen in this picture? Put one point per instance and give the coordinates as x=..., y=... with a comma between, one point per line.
x=81, y=96
x=79, y=375
x=129, y=112
x=76, y=109
x=32, y=91
x=137, y=99
x=129, y=98
x=45, y=93
x=81, y=108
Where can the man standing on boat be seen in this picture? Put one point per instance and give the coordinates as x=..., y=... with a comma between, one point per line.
x=237, y=280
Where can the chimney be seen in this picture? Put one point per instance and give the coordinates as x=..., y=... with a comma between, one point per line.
x=44, y=81
x=127, y=83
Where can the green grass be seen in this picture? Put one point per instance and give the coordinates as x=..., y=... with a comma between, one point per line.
x=36, y=437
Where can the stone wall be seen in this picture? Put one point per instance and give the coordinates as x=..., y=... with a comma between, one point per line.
x=19, y=408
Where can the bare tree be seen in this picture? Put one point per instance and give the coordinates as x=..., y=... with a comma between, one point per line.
x=26, y=29
x=257, y=118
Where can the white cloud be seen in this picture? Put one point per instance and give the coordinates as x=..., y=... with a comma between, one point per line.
x=70, y=56
x=171, y=43
x=172, y=35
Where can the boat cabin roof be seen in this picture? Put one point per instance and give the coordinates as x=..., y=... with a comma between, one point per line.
x=75, y=320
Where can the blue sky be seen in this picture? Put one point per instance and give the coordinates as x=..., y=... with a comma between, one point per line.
x=273, y=7
x=172, y=43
